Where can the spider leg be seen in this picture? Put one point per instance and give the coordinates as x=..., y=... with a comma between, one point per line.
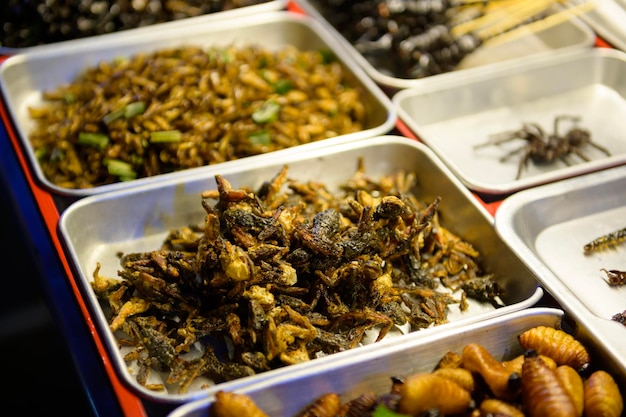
x=600, y=148
x=522, y=164
x=512, y=153
x=499, y=139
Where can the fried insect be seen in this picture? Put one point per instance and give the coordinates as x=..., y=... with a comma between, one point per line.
x=615, y=277
x=543, y=394
x=573, y=384
x=557, y=344
x=602, y=395
x=230, y=404
x=541, y=147
x=495, y=407
x=327, y=405
x=620, y=317
x=610, y=240
x=503, y=383
x=427, y=391
x=545, y=390
x=185, y=107
x=288, y=273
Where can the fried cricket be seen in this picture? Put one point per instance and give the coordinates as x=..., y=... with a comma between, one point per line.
x=288, y=273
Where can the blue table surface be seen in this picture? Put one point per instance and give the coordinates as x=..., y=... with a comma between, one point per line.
x=60, y=299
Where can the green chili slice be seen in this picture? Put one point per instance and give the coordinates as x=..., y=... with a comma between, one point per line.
x=120, y=169
x=165, y=136
x=97, y=140
x=268, y=112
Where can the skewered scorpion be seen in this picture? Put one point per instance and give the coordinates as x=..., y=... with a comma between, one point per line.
x=544, y=148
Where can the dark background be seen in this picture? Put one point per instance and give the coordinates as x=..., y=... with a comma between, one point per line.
x=38, y=372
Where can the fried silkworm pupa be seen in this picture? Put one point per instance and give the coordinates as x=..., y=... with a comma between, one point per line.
x=495, y=407
x=558, y=345
x=461, y=376
x=230, y=404
x=602, y=396
x=515, y=364
x=543, y=394
x=573, y=384
x=327, y=405
x=363, y=405
x=503, y=383
x=426, y=391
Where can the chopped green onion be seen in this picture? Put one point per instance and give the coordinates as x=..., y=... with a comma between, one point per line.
x=97, y=140
x=165, y=136
x=267, y=113
x=130, y=110
x=120, y=169
x=134, y=109
x=260, y=138
x=114, y=115
x=282, y=86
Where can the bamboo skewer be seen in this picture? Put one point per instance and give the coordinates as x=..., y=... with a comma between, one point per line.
x=543, y=24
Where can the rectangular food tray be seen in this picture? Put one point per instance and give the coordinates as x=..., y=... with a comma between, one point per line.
x=24, y=77
x=455, y=115
x=548, y=227
x=97, y=228
x=570, y=34
x=354, y=376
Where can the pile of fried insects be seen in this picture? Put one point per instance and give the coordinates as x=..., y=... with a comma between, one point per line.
x=189, y=106
x=289, y=273
x=554, y=377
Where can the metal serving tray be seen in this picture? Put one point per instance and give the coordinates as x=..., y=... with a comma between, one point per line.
x=548, y=226
x=570, y=34
x=253, y=9
x=455, y=114
x=607, y=19
x=23, y=77
x=357, y=375
x=97, y=228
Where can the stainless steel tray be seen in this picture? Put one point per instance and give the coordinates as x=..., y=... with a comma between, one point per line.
x=570, y=34
x=267, y=6
x=548, y=226
x=96, y=228
x=23, y=77
x=454, y=114
x=354, y=376
x=607, y=19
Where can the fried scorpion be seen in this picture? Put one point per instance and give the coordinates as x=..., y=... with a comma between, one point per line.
x=290, y=272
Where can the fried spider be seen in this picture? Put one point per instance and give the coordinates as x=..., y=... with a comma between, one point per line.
x=542, y=147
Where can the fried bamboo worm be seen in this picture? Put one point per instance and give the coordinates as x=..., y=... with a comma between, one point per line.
x=607, y=241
